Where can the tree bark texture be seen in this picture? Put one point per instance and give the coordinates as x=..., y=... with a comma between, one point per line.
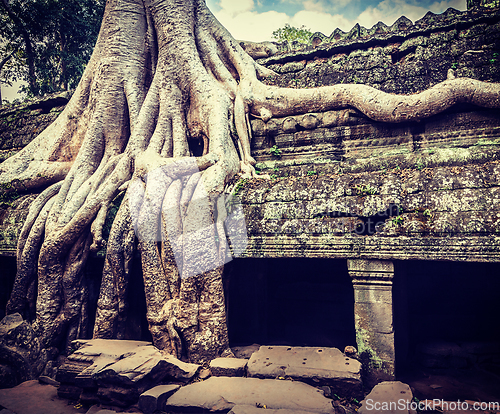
x=163, y=72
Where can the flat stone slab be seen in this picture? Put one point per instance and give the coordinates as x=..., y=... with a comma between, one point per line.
x=224, y=393
x=388, y=397
x=155, y=398
x=228, y=367
x=247, y=409
x=130, y=361
x=314, y=365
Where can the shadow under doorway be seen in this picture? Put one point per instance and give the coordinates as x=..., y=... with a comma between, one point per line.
x=290, y=301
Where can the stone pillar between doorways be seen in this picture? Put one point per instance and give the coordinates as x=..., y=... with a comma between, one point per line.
x=372, y=281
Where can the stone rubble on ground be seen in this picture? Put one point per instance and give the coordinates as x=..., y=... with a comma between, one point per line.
x=228, y=367
x=117, y=372
x=316, y=366
x=248, y=409
x=156, y=397
x=224, y=393
x=245, y=352
x=388, y=397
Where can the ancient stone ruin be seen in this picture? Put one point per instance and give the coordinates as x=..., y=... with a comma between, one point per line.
x=379, y=240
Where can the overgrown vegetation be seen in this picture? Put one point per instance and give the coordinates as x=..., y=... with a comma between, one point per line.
x=275, y=151
x=47, y=43
x=292, y=34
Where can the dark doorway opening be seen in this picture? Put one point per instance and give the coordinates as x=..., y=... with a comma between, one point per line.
x=447, y=325
x=7, y=276
x=292, y=301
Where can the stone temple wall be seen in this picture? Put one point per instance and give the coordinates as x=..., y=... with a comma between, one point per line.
x=341, y=186
x=345, y=186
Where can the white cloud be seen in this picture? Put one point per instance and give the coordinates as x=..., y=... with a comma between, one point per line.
x=233, y=8
x=313, y=5
x=244, y=23
x=320, y=22
x=388, y=11
x=251, y=25
x=441, y=6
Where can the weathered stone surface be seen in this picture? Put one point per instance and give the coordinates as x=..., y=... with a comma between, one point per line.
x=318, y=366
x=31, y=397
x=204, y=373
x=130, y=362
x=248, y=409
x=390, y=397
x=155, y=398
x=98, y=410
x=223, y=393
x=20, y=355
x=228, y=367
x=43, y=379
x=245, y=352
x=117, y=372
x=372, y=282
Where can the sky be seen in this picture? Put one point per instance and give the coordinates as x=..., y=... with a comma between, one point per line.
x=255, y=20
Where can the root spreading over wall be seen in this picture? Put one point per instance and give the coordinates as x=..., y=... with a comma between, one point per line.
x=163, y=72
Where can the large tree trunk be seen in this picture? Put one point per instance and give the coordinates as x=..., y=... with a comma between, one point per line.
x=162, y=72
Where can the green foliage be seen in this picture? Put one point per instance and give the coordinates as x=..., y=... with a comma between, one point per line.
x=309, y=173
x=364, y=190
x=8, y=194
x=62, y=34
x=239, y=186
x=275, y=151
x=291, y=34
x=398, y=220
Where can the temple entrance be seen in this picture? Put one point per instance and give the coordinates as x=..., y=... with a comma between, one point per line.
x=290, y=301
x=447, y=325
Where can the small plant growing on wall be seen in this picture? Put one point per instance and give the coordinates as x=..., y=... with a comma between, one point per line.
x=364, y=190
x=275, y=151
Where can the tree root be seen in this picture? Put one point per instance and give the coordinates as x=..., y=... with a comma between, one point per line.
x=162, y=73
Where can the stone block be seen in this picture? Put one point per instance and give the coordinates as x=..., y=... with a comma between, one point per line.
x=224, y=393
x=228, y=367
x=375, y=317
x=317, y=366
x=245, y=351
x=248, y=409
x=155, y=398
x=389, y=397
x=369, y=266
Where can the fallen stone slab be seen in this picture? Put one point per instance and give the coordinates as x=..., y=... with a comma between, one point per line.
x=43, y=379
x=155, y=398
x=117, y=372
x=132, y=360
x=224, y=393
x=248, y=409
x=316, y=366
x=228, y=367
x=245, y=352
x=388, y=397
